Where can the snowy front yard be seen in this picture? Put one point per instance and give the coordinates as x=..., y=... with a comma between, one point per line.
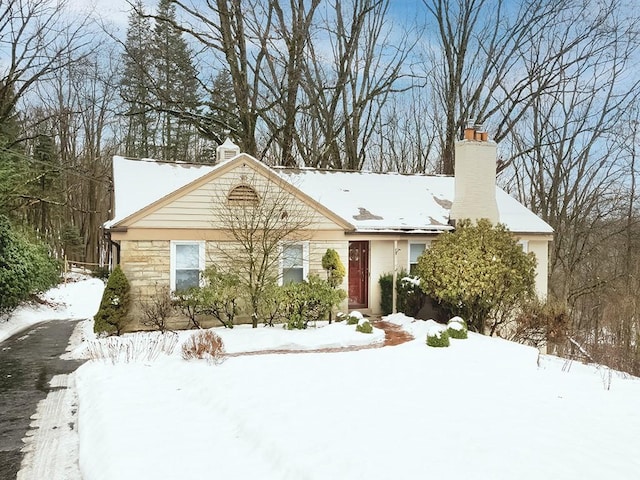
x=483, y=408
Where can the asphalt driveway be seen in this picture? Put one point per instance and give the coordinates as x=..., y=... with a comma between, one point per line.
x=28, y=361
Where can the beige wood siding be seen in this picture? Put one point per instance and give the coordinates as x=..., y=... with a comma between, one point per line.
x=204, y=207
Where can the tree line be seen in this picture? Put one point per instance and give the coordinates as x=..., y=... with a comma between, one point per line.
x=342, y=84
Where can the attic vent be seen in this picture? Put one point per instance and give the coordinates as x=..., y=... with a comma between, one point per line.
x=243, y=194
x=226, y=151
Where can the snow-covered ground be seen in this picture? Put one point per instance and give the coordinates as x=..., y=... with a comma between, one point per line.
x=483, y=408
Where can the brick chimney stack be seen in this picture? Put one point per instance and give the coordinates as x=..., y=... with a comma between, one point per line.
x=475, y=177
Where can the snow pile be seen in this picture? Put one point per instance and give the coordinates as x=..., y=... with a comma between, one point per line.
x=75, y=300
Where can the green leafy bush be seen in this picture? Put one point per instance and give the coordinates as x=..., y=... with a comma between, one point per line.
x=354, y=317
x=25, y=267
x=409, y=297
x=114, y=306
x=478, y=272
x=310, y=301
x=457, y=328
x=364, y=326
x=272, y=307
x=220, y=295
x=437, y=336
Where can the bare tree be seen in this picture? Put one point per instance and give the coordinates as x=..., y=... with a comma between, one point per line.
x=347, y=93
x=260, y=220
x=36, y=35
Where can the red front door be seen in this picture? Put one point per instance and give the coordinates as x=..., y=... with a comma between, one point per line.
x=358, y=274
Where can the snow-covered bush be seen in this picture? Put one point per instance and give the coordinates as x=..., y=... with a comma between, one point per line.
x=204, y=344
x=457, y=328
x=437, y=335
x=341, y=316
x=354, y=317
x=364, y=326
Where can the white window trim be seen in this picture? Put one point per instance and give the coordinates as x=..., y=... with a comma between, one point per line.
x=305, y=260
x=172, y=256
x=427, y=245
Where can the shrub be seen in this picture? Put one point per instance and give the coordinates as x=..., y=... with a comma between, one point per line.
x=204, y=344
x=354, y=317
x=190, y=303
x=219, y=297
x=409, y=296
x=101, y=272
x=457, y=328
x=272, y=307
x=437, y=335
x=341, y=316
x=26, y=267
x=335, y=269
x=479, y=272
x=157, y=309
x=364, y=326
x=136, y=347
x=114, y=306
x=310, y=301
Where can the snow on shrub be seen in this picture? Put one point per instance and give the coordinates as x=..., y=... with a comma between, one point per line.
x=457, y=328
x=364, y=326
x=204, y=344
x=354, y=317
x=437, y=335
x=341, y=316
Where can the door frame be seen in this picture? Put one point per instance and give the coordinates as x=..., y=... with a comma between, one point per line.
x=364, y=273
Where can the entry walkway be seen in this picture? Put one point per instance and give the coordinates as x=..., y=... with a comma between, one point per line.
x=393, y=335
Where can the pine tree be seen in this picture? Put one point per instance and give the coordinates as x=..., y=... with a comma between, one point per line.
x=176, y=85
x=136, y=85
x=114, y=306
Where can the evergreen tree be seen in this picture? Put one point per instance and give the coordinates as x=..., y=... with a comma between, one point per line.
x=223, y=112
x=136, y=85
x=176, y=85
x=114, y=306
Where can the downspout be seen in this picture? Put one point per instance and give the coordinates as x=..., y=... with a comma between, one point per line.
x=394, y=294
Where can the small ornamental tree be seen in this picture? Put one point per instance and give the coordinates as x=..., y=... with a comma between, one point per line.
x=478, y=272
x=114, y=306
x=335, y=270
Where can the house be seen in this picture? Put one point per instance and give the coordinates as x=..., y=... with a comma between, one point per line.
x=172, y=219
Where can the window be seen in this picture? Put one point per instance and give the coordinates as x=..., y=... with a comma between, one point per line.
x=524, y=244
x=294, y=262
x=187, y=261
x=415, y=250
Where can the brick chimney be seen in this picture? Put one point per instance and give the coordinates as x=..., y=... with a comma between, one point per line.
x=475, y=177
x=226, y=151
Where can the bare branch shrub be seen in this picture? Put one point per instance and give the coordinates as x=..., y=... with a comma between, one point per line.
x=541, y=323
x=204, y=344
x=131, y=348
x=158, y=309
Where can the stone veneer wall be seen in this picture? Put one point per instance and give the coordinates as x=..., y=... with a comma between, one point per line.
x=146, y=263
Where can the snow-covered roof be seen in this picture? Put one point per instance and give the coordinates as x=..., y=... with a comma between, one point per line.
x=371, y=202
x=387, y=202
x=139, y=183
